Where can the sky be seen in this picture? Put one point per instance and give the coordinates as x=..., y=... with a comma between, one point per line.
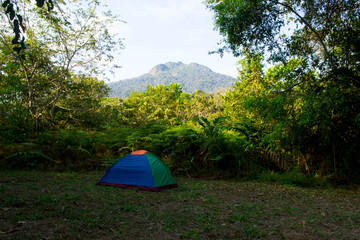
x=161, y=31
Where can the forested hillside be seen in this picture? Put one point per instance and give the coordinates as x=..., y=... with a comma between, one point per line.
x=191, y=77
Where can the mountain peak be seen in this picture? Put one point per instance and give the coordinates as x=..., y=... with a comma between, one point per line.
x=199, y=66
x=173, y=64
x=158, y=68
x=191, y=76
x=164, y=67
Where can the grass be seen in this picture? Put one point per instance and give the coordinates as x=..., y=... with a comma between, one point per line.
x=38, y=205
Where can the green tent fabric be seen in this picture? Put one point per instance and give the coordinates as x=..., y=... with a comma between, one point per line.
x=161, y=173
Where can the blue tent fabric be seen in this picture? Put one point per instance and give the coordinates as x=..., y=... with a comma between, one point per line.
x=131, y=170
x=138, y=171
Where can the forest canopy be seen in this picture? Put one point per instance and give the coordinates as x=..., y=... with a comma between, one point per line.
x=310, y=99
x=68, y=49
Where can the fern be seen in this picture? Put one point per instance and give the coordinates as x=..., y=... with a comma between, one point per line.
x=28, y=159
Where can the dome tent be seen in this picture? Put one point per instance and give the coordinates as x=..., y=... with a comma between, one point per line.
x=141, y=170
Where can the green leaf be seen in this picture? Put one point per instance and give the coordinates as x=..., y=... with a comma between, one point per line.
x=50, y=5
x=17, y=49
x=16, y=39
x=23, y=44
x=16, y=28
x=10, y=8
x=12, y=15
x=20, y=19
x=40, y=3
x=5, y=3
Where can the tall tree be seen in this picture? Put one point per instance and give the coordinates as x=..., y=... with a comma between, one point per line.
x=75, y=39
x=316, y=44
x=324, y=32
x=157, y=103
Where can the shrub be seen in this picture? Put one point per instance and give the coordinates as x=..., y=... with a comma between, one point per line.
x=293, y=177
x=71, y=149
x=24, y=156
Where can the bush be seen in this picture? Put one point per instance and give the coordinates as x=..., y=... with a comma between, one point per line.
x=71, y=149
x=293, y=178
x=24, y=156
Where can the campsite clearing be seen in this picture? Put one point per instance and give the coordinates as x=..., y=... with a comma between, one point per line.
x=38, y=205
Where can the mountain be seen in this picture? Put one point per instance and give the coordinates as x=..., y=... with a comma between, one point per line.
x=191, y=76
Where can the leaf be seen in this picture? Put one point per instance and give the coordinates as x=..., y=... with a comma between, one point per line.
x=16, y=27
x=17, y=49
x=40, y=3
x=50, y=5
x=16, y=39
x=21, y=22
x=12, y=15
x=217, y=158
x=10, y=8
x=23, y=44
x=20, y=19
x=5, y=3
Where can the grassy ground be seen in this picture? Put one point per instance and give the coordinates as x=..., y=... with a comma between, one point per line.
x=70, y=206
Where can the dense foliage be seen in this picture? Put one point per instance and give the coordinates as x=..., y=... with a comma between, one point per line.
x=301, y=114
x=52, y=81
x=307, y=106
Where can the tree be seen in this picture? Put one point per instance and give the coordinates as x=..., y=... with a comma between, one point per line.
x=73, y=41
x=17, y=21
x=80, y=104
x=159, y=103
x=323, y=32
x=310, y=98
x=14, y=114
x=203, y=104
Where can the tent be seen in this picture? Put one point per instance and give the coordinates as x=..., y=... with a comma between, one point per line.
x=139, y=169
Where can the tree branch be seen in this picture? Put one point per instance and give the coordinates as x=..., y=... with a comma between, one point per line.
x=311, y=28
